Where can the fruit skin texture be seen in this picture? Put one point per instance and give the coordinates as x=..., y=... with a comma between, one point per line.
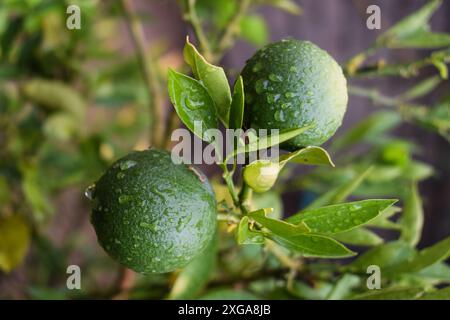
x=291, y=84
x=152, y=215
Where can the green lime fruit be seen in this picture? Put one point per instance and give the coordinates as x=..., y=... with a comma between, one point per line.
x=153, y=215
x=292, y=84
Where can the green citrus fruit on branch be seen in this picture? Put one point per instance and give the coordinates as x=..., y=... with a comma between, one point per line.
x=152, y=215
x=291, y=84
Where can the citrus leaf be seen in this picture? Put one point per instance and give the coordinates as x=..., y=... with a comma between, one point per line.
x=441, y=294
x=409, y=25
x=421, y=39
x=343, y=287
x=372, y=127
x=439, y=271
x=286, y=5
x=192, y=103
x=55, y=95
x=270, y=199
x=340, y=217
x=193, y=278
x=309, y=155
x=247, y=236
x=412, y=219
x=391, y=294
x=278, y=227
x=254, y=29
x=383, y=222
x=212, y=77
x=268, y=141
x=359, y=237
x=341, y=192
x=229, y=294
x=14, y=241
x=426, y=257
x=320, y=291
x=313, y=245
x=421, y=89
x=384, y=256
x=237, y=105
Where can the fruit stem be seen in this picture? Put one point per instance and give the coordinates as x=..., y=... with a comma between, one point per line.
x=228, y=177
x=245, y=196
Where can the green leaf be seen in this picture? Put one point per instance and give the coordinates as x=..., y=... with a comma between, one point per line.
x=441, y=294
x=254, y=29
x=237, y=105
x=313, y=245
x=194, y=277
x=426, y=257
x=341, y=192
x=340, y=217
x=421, y=89
x=192, y=104
x=286, y=5
x=391, y=294
x=408, y=26
x=14, y=241
x=384, y=256
x=309, y=155
x=270, y=199
x=438, y=271
x=278, y=227
x=412, y=218
x=229, y=294
x=54, y=96
x=212, y=77
x=320, y=291
x=359, y=237
x=441, y=67
x=343, y=287
x=261, y=175
x=247, y=236
x=370, y=128
x=268, y=141
x=383, y=222
x=421, y=39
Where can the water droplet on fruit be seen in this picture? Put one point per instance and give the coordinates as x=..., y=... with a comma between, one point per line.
x=293, y=69
x=261, y=85
x=124, y=198
x=289, y=95
x=89, y=192
x=272, y=98
x=127, y=164
x=257, y=67
x=150, y=226
x=275, y=77
x=120, y=175
x=285, y=105
x=279, y=115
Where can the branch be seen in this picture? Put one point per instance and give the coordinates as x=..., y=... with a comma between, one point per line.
x=148, y=72
x=232, y=29
x=191, y=16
